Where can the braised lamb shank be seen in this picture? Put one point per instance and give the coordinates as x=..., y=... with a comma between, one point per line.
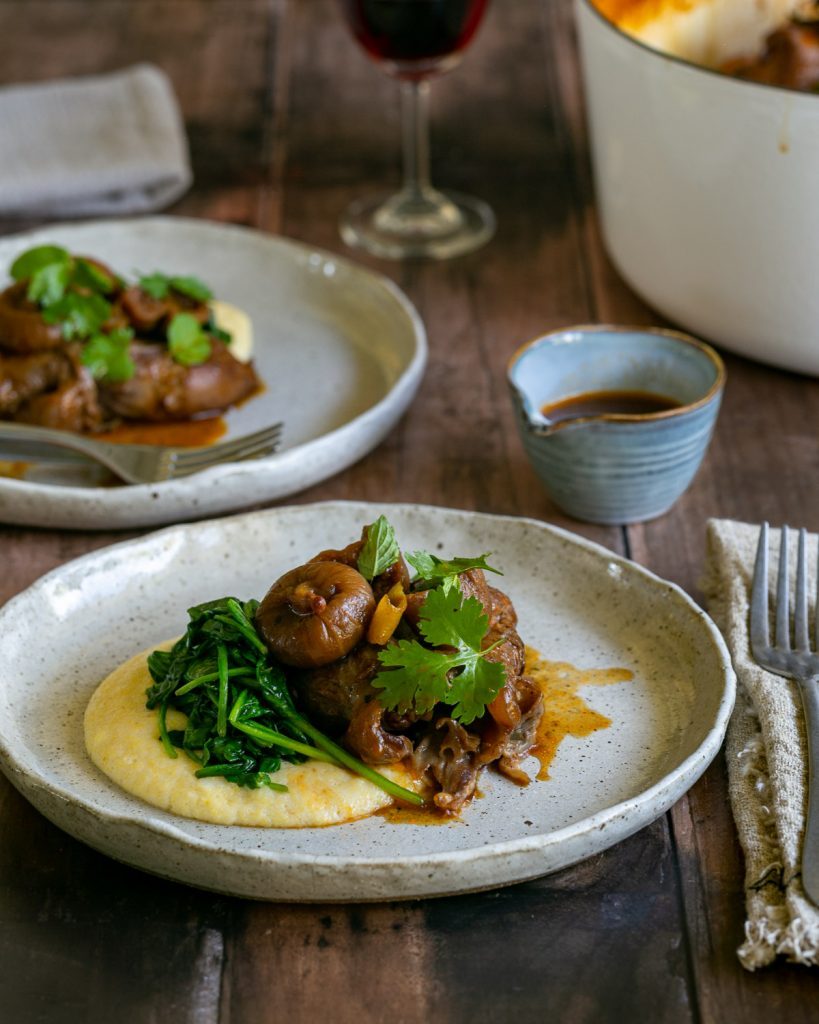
x=314, y=619
x=43, y=379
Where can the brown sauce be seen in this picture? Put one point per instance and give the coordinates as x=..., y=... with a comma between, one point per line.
x=181, y=434
x=430, y=815
x=608, y=403
x=565, y=712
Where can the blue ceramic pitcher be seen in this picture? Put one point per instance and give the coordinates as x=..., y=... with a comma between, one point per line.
x=614, y=467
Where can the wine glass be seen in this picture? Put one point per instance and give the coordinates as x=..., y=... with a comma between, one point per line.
x=414, y=40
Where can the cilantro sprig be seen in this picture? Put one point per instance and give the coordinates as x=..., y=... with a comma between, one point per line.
x=71, y=291
x=79, y=316
x=53, y=273
x=107, y=356
x=48, y=284
x=445, y=572
x=159, y=286
x=417, y=677
x=188, y=343
x=74, y=292
x=34, y=260
x=89, y=275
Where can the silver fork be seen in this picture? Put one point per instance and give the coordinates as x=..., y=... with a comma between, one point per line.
x=135, y=463
x=797, y=662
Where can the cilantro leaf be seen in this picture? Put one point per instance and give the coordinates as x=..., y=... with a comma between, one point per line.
x=478, y=685
x=419, y=677
x=52, y=274
x=156, y=285
x=107, y=355
x=380, y=549
x=187, y=341
x=48, y=284
x=219, y=333
x=79, y=315
x=89, y=275
x=192, y=287
x=437, y=571
x=32, y=260
x=450, y=620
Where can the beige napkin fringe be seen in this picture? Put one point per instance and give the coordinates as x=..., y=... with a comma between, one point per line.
x=767, y=759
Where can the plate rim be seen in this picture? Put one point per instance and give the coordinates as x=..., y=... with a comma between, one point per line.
x=398, y=394
x=688, y=770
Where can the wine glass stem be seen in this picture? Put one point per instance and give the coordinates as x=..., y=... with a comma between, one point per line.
x=415, y=101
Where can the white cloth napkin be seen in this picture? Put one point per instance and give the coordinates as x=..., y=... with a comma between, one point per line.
x=767, y=762
x=107, y=144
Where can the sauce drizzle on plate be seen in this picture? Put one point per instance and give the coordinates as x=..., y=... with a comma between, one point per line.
x=566, y=713
x=177, y=434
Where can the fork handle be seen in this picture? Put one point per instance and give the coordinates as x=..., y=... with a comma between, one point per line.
x=22, y=441
x=21, y=436
x=809, y=692
x=38, y=450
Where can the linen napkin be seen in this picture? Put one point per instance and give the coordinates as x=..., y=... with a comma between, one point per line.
x=767, y=761
x=105, y=144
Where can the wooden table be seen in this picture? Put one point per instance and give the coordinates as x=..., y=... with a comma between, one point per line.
x=287, y=123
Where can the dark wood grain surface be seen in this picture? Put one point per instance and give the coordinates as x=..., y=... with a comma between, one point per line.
x=287, y=123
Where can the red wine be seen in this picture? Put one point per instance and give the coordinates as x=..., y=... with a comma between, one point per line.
x=414, y=37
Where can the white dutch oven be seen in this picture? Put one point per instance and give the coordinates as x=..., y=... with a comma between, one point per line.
x=707, y=187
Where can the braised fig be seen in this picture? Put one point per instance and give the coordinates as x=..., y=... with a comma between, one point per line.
x=315, y=614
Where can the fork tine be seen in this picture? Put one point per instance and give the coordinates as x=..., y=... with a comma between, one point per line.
x=270, y=433
x=270, y=448
x=783, y=612
x=272, y=430
x=200, y=457
x=252, y=451
x=759, y=594
x=255, y=452
x=800, y=624
x=816, y=608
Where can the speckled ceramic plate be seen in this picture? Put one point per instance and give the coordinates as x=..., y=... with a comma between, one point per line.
x=341, y=352
x=577, y=603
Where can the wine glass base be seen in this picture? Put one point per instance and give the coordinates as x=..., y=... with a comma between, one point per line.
x=360, y=228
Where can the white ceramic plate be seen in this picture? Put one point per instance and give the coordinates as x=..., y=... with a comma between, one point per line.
x=341, y=352
x=577, y=602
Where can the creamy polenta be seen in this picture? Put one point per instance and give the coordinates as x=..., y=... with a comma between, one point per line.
x=122, y=739
x=238, y=325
